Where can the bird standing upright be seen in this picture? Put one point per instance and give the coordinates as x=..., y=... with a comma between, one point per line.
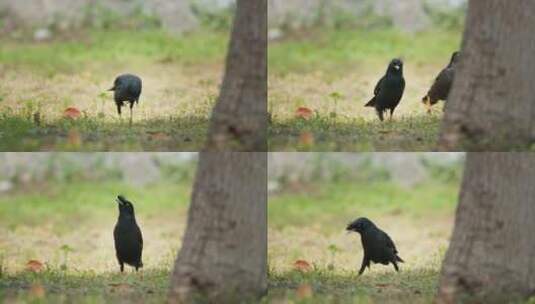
x=378, y=246
x=127, y=236
x=389, y=89
x=441, y=87
x=126, y=88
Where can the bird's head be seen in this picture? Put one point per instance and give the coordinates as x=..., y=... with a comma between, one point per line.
x=125, y=207
x=116, y=84
x=359, y=225
x=395, y=66
x=454, y=58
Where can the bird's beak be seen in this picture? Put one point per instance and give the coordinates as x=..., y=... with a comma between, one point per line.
x=119, y=202
x=112, y=89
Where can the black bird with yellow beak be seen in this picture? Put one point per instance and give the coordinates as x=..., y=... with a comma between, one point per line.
x=127, y=236
x=389, y=89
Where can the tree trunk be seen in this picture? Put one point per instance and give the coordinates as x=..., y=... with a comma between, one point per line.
x=492, y=105
x=224, y=251
x=491, y=258
x=239, y=119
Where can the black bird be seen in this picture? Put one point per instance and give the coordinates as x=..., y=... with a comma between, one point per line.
x=378, y=246
x=127, y=236
x=127, y=88
x=389, y=89
x=442, y=85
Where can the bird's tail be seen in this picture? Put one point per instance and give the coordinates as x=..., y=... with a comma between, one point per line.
x=398, y=259
x=370, y=103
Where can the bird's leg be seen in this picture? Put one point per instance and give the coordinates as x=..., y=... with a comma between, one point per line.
x=131, y=106
x=391, y=114
x=395, y=266
x=122, y=267
x=427, y=103
x=365, y=262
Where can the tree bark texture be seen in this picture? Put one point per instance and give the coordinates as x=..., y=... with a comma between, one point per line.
x=239, y=118
x=491, y=258
x=492, y=103
x=224, y=251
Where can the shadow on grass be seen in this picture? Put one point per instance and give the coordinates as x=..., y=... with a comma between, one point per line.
x=56, y=286
x=19, y=133
x=418, y=133
x=329, y=286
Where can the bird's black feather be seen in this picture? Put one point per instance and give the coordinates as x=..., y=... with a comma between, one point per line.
x=378, y=246
x=389, y=90
x=441, y=87
x=127, y=236
x=126, y=88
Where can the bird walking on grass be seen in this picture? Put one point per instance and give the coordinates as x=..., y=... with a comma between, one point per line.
x=127, y=236
x=126, y=88
x=378, y=246
x=389, y=90
x=441, y=87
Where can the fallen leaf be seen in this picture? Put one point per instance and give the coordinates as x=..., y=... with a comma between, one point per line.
x=302, y=266
x=306, y=139
x=72, y=113
x=304, y=291
x=34, y=266
x=304, y=112
x=37, y=291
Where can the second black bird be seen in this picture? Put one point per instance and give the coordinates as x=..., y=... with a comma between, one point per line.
x=378, y=246
x=126, y=88
x=441, y=87
x=127, y=236
x=389, y=89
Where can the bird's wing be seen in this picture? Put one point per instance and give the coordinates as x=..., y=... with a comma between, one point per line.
x=390, y=243
x=378, y=86
x=139, y=236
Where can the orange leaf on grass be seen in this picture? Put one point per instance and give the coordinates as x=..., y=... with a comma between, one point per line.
x=72, y=113
x=34, y=266
x=304, y=112
x=302, y=266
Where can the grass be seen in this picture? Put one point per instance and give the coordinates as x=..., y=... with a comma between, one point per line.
x=68, y=228
x=307, y=222
x=38, y=81
x=333, y=73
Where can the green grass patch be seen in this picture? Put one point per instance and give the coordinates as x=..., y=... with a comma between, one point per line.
x=59, y=286
x=411, y=286
x=345, y=50
x=81, y=203
x=20, y=133
x=417, y=133
x=324, y=203
x=116, y=47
